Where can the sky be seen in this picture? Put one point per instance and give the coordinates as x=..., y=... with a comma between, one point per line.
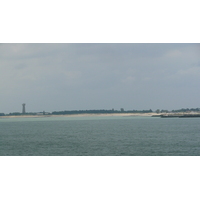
x=79, y=76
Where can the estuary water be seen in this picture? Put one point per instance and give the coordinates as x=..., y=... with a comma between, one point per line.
x=99, y=136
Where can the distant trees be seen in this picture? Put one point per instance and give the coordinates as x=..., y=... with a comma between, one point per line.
x=67, y=112
x=158, y=111
x=187, y=110
x=179, y=110
x=164, y=111
x=18, y=114
x=15, y=114
x=99, y=111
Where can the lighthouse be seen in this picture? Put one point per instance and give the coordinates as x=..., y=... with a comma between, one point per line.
x=23, y=108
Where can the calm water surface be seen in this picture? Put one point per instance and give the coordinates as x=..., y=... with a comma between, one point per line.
x=100, y=136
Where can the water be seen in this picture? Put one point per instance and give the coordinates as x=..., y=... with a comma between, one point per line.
x=100, y=136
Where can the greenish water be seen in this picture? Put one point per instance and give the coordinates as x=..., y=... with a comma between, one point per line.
x=100, y=136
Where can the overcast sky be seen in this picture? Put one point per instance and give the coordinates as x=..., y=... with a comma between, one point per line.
x=54, y=77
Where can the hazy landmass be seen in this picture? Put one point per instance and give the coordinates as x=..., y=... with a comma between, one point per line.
x=103, y=112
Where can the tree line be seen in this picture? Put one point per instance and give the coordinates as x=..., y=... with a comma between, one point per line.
x=101, y=111
x=66, y=112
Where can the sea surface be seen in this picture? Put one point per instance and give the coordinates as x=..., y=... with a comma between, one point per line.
x=99, y=136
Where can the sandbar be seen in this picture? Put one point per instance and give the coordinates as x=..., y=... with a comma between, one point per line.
x=85, y=115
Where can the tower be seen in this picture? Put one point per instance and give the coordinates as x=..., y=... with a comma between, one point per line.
x=23, y=108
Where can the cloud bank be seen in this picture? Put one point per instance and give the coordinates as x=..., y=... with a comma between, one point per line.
x=54, y=77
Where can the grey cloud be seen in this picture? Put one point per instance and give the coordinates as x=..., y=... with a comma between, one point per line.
x=88, y=76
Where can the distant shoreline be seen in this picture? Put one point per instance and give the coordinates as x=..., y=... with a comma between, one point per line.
x=153, y=114
x=84, y=115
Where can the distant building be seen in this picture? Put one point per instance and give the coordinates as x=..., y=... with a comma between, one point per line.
x=23, y=108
